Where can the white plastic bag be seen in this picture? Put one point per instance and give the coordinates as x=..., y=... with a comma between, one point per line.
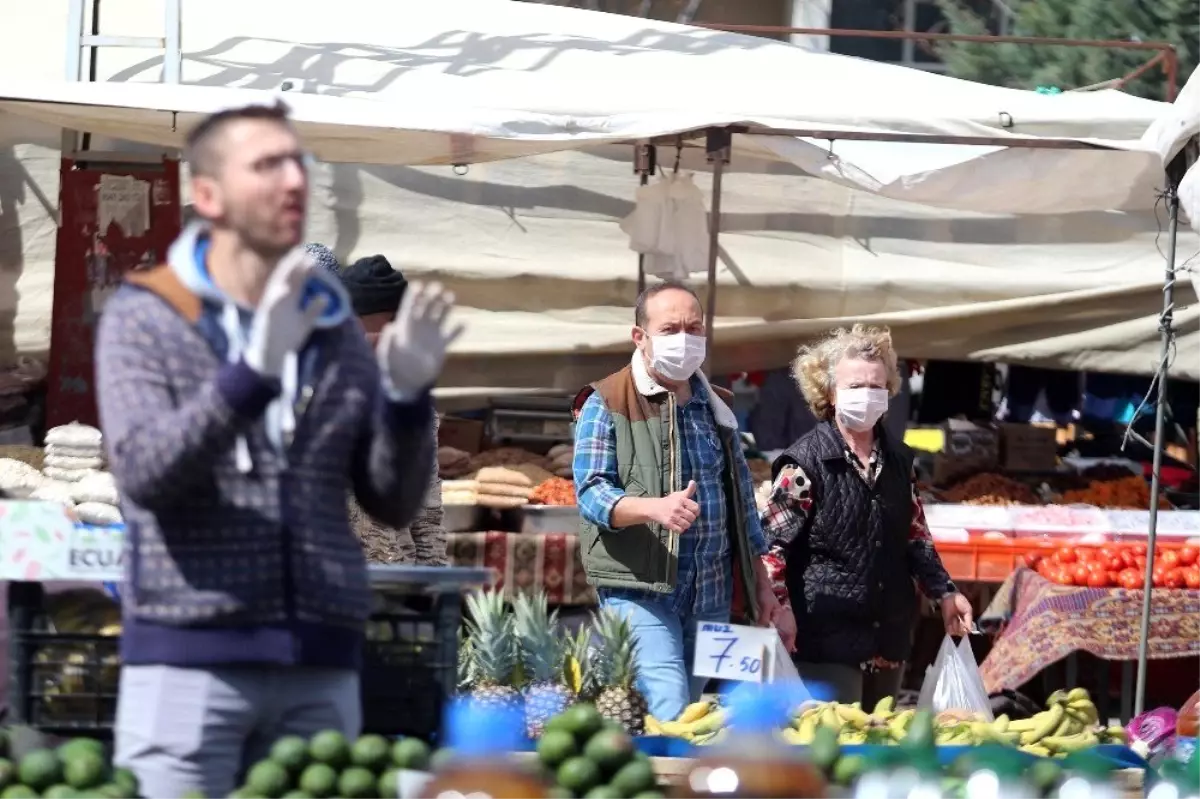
x=690, y=220
x=953, y=682
x=646, y=225
x=669, y=226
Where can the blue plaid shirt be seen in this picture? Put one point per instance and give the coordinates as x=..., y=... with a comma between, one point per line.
x=705, y=583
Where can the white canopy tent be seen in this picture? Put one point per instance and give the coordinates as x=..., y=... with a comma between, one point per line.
x=473, y=81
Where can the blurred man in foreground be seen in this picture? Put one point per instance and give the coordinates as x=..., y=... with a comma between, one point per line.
x=240, y=401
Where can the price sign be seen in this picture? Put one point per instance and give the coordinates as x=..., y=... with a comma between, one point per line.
x=734, y=652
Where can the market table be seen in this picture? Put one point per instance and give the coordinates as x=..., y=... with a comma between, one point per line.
x=1043, y=622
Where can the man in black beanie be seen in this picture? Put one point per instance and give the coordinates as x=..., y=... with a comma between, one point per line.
x=375, y=292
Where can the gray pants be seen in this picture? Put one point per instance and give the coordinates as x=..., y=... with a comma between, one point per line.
x=188, y=730
x=851, y=684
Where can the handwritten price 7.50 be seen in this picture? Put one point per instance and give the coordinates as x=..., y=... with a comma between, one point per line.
x=747, y=665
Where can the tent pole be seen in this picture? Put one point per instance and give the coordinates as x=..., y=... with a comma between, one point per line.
x=718, y=149
x=1165, y=320
x=645, y=161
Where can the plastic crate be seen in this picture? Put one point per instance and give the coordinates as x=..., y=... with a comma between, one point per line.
x=59, y=682
x=410, y=663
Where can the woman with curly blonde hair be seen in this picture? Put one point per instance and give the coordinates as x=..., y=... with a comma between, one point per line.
x=845, y=525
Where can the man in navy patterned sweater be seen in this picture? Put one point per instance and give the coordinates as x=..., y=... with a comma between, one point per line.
x=240, y=401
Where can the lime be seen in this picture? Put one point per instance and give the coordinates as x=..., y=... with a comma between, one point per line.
x=330, y=747
x=19, y=792
x=371, y=752
x=110, y=791
x=389, y=783
x=825, y=748
x=578, y=774
x=84, y=769
x=441, y=759
x=40, y=769
x=76, y=745
x=268, y=778
x=291, y=752
x=126, y=780
x=59, y=791
x=410, y=753
x=356, y=782
x=634, y=777
x=319, y=780
x=300, y=795
x=582, y=721
x=556, y=746
x=604, y=792
x=609, y=750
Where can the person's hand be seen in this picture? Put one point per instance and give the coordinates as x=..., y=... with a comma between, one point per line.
x=412, y=347
x=281, y=323
x=784, y=622
x=678, y=511
x=956, y=614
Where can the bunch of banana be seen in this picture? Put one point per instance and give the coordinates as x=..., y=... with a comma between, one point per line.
x=853, y=725
x=701, y=723
x=1069, y=723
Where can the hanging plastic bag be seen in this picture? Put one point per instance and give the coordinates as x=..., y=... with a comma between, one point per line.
x=669, y=225
x=1189, y=199
x=953, y=682
x=690, y=219
x=650, y=220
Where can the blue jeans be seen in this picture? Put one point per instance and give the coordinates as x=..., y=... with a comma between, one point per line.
x=666, y=645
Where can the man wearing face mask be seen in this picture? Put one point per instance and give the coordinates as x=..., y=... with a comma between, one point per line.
x=846, y=528
x=670, y=532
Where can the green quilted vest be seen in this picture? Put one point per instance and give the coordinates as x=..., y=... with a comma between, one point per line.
x=648, y=463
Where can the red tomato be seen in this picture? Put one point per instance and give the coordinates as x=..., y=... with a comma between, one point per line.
x=1109, y=552
x=1032, y=559
x=1131, y=579
x=1116, y=563
x=1159, y=576
x=1191, y=576
x=1188, y=556
x=1169, y=558
x=1064, y=575
x=1114, y=577
x=1098, y=579
x=1138, y=549
x=1127, y=557
x=1097, y=566
x=1085, y=554
x=1066, y=555
x=1080, y=572
x=1174, y=578
x=1139, y=563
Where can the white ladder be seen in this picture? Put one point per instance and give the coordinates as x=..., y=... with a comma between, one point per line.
x=81, y=43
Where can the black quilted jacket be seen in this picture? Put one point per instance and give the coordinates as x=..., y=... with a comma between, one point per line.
x=847, y=574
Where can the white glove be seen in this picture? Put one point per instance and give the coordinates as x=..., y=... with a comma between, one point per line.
x=280, y=324
x=412, y=348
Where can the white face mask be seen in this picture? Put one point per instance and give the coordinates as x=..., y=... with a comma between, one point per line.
x=861, y=408
x=677, y=356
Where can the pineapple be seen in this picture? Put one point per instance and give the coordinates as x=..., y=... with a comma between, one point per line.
x=543, y=654
x=466, y=677
x=616, y=673
x=492, y=651
x=580, y=675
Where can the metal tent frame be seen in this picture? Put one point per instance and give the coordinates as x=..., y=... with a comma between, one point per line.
x=718, y=143
x=717, y=147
